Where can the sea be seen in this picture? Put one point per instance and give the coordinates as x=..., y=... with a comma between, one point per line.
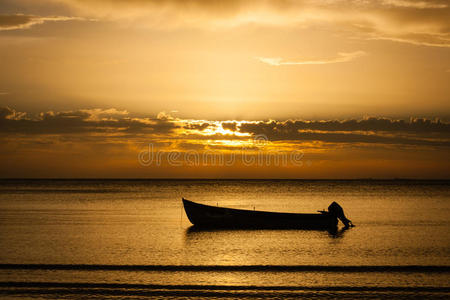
x=131, y=239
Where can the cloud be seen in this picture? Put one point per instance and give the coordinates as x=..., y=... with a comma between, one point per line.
x=200, y=127
x=415, y=4
x=415, y=22
x=7, y=113
x=416, y=131
x=20, y=21
x=342, y=57
x=98, y=114
x=108, y=123
x=372, y=124
x=105, y=121
x=412, y=41
x=229, y=126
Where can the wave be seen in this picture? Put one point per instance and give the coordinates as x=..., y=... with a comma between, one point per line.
x=107, y=290
x=233, y=268
x=61, y=191
x=218, y=287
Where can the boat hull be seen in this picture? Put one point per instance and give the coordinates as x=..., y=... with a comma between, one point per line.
x=206, y=216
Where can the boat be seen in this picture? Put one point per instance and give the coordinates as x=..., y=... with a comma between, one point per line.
x=207, y=216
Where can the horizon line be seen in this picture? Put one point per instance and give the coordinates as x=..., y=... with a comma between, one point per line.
x=208, y=178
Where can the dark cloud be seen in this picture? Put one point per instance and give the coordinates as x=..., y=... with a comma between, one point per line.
x=201, y=126
x=372, y=130
x=6, y=112
x=416, y=131
x=21, y=21
x=230, y=126
x=14, y=21
x=82, y=121
x=414, y=125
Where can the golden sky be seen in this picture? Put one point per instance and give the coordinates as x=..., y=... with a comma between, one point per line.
x=349, y=89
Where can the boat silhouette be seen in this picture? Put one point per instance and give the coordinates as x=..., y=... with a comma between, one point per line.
x=207, y=216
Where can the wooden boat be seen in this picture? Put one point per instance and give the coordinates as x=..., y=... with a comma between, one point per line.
x=207, y=216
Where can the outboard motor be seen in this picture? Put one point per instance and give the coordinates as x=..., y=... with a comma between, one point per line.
x=336, y=210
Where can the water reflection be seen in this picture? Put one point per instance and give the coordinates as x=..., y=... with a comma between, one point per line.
x=258, y=246
x=337, y=233
x=194, y=232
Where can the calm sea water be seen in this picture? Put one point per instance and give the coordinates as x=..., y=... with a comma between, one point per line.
x=46, y=225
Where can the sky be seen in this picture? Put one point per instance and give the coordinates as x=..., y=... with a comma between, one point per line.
x=225, y=89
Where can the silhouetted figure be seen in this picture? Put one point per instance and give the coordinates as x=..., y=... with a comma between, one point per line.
x=336, y=210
